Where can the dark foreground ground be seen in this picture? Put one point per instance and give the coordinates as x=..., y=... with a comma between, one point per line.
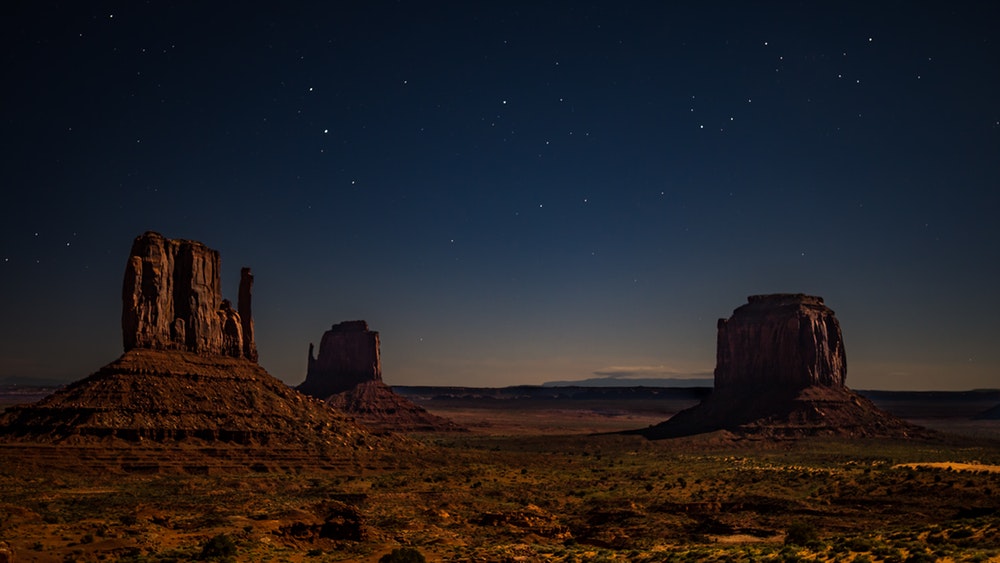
x=527, y=483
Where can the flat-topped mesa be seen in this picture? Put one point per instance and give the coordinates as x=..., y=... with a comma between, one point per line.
x=172, y=300
x=782, y=340
x=780, y=374
x=348, y=356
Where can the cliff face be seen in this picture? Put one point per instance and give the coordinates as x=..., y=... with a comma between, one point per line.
x=172, y=300
x=788, y=341
x=348, y=356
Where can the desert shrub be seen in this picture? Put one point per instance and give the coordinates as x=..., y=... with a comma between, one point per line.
x=403, y=555
x=935, y=538
x=219, y=547
x=960, y=533
x=801, y=533
x=859, y=545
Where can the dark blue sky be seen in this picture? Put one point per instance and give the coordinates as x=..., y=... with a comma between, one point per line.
x=512, y=192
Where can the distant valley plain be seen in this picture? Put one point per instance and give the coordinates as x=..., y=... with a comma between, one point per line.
x=538, y=476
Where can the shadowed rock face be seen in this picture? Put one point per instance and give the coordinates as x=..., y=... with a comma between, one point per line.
x=788, y=341
x=348, y=356
x=172, y=300
x=245, y=311
x=780, y=373
x=347, y=375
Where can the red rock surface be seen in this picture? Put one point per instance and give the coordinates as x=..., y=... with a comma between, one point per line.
x=783, y=340
x=172, y=300
x=781, y=372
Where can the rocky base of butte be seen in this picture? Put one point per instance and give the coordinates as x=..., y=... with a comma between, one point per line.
x=780, y=373
x=175, y=396
x=377, y=406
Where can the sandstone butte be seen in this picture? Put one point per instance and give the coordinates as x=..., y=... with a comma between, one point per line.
x=781, y=372
x=189, y=372
x=347, y=375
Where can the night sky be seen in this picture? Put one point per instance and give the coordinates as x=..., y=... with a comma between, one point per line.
x=512, y=193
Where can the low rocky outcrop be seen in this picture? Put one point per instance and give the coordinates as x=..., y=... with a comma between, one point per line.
x=189, y=372
x=781, y=371
x=347, y=374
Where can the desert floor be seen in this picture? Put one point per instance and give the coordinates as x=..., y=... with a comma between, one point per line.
x=528, y=482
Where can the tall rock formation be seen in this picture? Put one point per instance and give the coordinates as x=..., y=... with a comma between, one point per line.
x=245, y=310
x=189, y=373
x=780, y=371
x=783, y=340
x=348, y=355
x=172, y=300
x=347, y=374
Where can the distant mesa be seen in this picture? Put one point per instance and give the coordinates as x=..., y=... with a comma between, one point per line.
x=189, y=371
x=665, y=382
x=347, y=374
x=349, y=354
x=780, y=371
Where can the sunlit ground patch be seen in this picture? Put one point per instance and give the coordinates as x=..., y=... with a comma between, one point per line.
x=952, y=466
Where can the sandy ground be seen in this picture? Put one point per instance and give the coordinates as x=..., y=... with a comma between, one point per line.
x=953, y=466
